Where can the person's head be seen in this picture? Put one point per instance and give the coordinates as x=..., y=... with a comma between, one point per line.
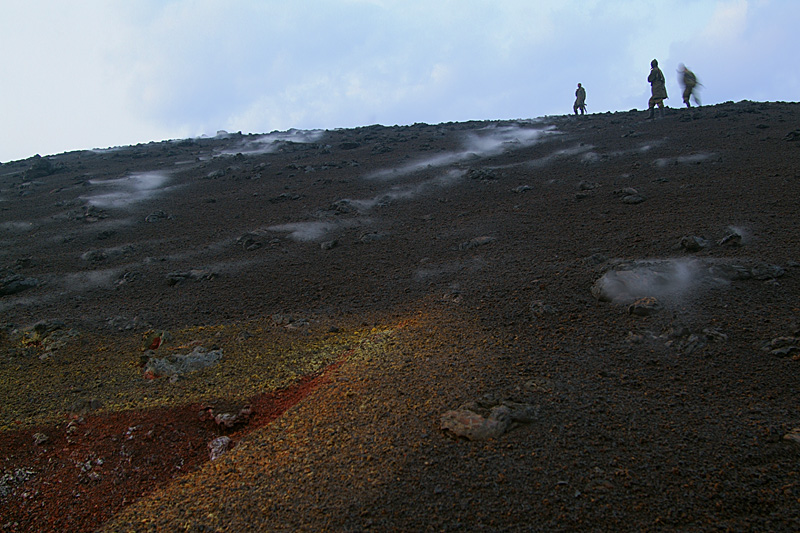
x=579, y=86
x=681, y=67
x=654, y=63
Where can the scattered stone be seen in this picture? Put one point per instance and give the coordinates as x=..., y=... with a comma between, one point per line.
x=730, y=272
x=48, y=336
x=482, y=174
x=692, y=243
x=124, y=323
x=17, y=477
x=152, y=340
x=94, y=256
x=156, y=216
x=372, y=237
x=329, y=245
x=783, y=346
x=630, y=195
x=587, y=185
x=250, y=241
x=474, y=243
x=40, y=168
x=628, y=281
x=178, y=365
x=91, y=213
x=107, y=253
x=194, y=275
x=686, y=341
x=472, y=426
x=288, y=321
x=382, y=149
x=633, y=199
x=284, y=197
x=714, y=335
x=40, y=438
x=539, y=384
x=645, y=306
x=731, y=239
x=225, y=419
x=792, y=136
x=14, y=283
x=763, y=272
x=522, y=188
x=539, y=309
x=487, y=418
x=84, y=406
x=218, y=446
x=793, y=436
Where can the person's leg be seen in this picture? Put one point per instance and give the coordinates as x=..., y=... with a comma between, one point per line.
x=651, y=107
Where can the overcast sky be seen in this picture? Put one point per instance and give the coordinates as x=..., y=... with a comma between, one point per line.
x=83, y=74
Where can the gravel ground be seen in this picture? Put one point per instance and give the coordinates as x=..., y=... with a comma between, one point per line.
x=631, y=285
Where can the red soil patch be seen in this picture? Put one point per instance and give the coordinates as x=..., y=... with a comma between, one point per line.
x=90, y=468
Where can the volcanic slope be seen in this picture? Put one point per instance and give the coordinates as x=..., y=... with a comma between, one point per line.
x=629, y=286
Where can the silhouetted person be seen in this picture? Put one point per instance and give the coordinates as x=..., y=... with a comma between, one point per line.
x=689, y=82
x=580, y=100
x=658, y=89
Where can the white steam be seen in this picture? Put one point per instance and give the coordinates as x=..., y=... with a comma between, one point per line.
x=667, y=280
x=485, y=142
x=310, y=231
x=127, y=190
x=270, y=142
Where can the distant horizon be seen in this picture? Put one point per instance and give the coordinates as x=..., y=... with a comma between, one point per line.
x=116, y=73
x=266, y=133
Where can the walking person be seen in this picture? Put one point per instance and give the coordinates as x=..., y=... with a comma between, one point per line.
x=580, y=100
x=689, y=82
x=658, y=90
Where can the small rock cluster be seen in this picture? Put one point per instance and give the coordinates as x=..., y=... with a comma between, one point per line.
x=487, y=418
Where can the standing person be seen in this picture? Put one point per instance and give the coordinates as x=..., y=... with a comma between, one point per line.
x=658, y=89
x=689, y=82
x=580, y=100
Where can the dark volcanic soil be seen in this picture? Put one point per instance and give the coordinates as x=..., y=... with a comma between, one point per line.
x=359, y=284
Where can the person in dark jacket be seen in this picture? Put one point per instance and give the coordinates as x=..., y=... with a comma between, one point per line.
x=658, y=89
x=580, y=100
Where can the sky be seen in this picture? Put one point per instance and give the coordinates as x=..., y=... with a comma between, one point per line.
x=84, y=74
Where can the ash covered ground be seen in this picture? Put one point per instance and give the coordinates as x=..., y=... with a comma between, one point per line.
x=552, y=324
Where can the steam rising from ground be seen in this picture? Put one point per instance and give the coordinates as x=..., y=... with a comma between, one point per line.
x=81, y=281
x=407, y=193
x=17, y=226
x=667, y=280
x=127, y=190
x=266, y=144
x=310, y=231
x=684, y=159
x=674, y=281
x=485, y=142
